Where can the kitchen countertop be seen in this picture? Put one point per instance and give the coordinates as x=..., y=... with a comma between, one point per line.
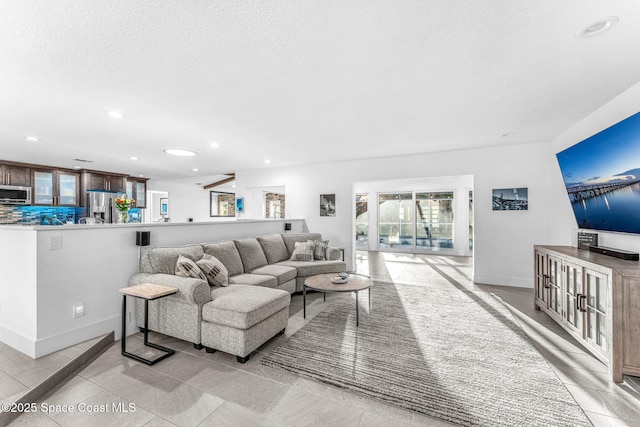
x=129, y=225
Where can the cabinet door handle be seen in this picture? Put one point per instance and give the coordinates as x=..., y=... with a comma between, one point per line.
x=578, y=304
x=580, y=300
x=546, y=281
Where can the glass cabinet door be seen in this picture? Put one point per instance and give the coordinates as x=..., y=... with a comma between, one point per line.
x=67, y=189
x=42, y=188
x=541, y=279
x=555, y=282
x=573, y=292
x=141, y=189
x=595, y=305
x=129, y=189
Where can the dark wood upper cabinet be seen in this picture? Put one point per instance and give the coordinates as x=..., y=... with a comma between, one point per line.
x=15, y=175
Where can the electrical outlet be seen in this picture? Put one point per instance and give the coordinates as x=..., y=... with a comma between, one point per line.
x=55, y=243
x=78, y=310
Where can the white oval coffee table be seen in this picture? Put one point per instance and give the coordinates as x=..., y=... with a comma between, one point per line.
x=322, y=283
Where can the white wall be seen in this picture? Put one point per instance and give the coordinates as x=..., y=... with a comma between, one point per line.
x=564, y=227
x=503, y=247
x=185, y=200
x=18, y=286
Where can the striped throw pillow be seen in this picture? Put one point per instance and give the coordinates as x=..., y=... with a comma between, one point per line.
x=187, y=267
x=303, y=251
x=215, y=272
x=319, y=249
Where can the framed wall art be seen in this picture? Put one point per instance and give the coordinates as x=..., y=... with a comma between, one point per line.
x=327, y=205
x=510, y=199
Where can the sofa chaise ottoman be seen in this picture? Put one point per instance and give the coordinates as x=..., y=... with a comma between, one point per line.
x=240, y=318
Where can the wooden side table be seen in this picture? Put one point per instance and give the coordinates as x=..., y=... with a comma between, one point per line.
x=148, y=292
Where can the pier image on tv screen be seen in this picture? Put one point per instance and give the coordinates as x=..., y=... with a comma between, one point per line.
x=602, y=177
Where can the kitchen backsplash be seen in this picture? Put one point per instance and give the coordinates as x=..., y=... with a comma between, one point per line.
x=37, y=215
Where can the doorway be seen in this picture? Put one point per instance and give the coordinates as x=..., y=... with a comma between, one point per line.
x=415, y=215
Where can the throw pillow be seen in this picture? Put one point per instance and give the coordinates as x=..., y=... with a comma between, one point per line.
x=186, y=267
x=319, y=249
x=303, y=251
x=215, y=272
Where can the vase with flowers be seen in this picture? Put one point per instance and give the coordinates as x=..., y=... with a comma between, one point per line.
x=123, y=205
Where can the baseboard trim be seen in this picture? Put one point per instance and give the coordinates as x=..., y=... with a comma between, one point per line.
x=59, y=377
x=514, y=282
x=71, y=337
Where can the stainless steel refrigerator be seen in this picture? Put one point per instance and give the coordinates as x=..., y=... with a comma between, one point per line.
x=101, y=206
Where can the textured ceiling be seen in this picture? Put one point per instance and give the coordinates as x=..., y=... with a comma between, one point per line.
x=298, y=81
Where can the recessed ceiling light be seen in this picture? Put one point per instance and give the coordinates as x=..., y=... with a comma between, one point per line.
x=214, y=145
x=180, y=152
x=115, y=114
x=77, y=167
x=140, y=175
x=32, y=138
x=133, y=158
x=195, y=169
x=598, y=27
x=267, y=161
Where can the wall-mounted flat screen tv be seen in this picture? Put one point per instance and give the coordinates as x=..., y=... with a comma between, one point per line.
x=602, y=177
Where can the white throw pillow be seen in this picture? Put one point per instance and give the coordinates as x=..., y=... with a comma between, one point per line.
x=214, y=270
x=187, y=267
x=303, y=251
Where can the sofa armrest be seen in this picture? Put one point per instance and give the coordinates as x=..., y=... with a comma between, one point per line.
x=190, y=290
x=334, y=254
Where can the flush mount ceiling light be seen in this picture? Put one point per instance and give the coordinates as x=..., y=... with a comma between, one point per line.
x=180, y=152
x=115, y=114
x=598, y=27
x=32, y=138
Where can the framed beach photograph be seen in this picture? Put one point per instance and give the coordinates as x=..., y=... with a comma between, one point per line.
x=327, y=205
x=510, y=199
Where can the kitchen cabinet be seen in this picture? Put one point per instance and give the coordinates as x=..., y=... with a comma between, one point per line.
x=137, y=190
x=103, y=181
x=596, y=299
x=54, y=187
x=15, y=175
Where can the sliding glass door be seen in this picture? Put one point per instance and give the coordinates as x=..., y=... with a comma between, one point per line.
x=434, y=224
x=396, y=220
x=362, y=221
x=414, y=220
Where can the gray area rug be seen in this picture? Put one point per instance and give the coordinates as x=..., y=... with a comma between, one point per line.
x=454, y=355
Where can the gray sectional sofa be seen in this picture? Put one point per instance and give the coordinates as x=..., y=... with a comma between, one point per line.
x=263, y=261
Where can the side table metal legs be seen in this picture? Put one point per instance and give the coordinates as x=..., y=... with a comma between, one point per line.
x=168, y=351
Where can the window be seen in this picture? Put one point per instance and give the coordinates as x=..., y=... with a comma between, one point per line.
x=470, y=220
x=362, y=221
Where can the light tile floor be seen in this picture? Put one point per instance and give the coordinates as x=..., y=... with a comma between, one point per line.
x=194, y=388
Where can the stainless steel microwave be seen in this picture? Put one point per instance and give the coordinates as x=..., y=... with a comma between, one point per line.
x=15, y=195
